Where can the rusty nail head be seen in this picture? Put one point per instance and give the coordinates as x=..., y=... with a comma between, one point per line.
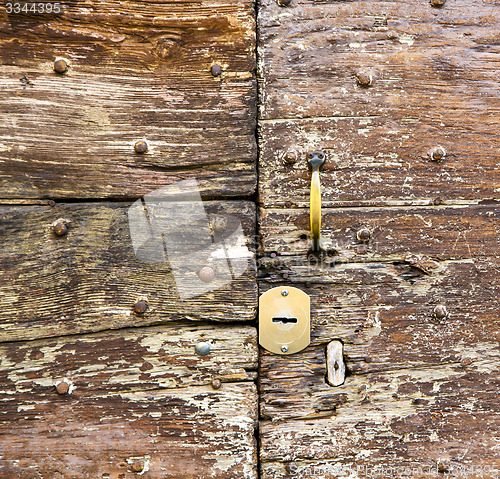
x=290, y=157
x=62, y=387
x=141, y=147
x=216, y=384
x=438, y=153
x=219, y=224
x=437, y=3
x=364, y=78
x=202, y=349
x=138, y=465
x=60, y=66
x=443, y=465
x=207, y=274
x=216, y=70
x=440, y=312
x=52, y=203
x=284, y=3
x=140, y=307
x=363, y=234
x=60, y=228
x=288, y=204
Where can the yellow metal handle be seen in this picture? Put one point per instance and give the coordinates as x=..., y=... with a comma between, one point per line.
x=315, y=159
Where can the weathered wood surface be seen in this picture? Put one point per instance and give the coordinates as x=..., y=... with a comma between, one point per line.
x=138, y=397
x=90, y=279
x=434, y=82
x=418, y=390
x=399, y=233
x=138, y=70
x=385, y=318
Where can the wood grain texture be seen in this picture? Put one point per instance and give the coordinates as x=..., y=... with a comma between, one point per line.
x=90, y=279
x=395, y=234
x=138, y=395
x=434, y=82
x=385, y=318
x=138, y=70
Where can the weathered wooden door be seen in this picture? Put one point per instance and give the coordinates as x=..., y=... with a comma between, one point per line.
x=101, y=375
x=403, y=97
x=108, y=370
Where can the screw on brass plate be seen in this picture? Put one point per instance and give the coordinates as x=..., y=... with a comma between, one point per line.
x=284, y=292
x=141, y=147
x=440, y=312
x=61, y=66
x=364, y=78
x=140, y=307
x=437, y=154
x=284, y=349
x=202, y=349
x=207, y=274
x=60, y=228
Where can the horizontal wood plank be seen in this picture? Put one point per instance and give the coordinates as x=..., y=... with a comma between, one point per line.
x=137, y=71
x=431, y=82
x=181, y=433
x=379, y=161
x=137, y=359
x=394, y=234
x=427, y=421
x=91, y=278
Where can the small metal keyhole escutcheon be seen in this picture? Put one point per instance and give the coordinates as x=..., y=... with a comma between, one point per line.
x=284, y=320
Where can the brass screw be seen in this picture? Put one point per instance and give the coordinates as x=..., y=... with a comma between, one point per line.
x=61, y=66
x=363, y=234
x=138, y=465
x=437, y=154
x=364, y=78
x=140, y=307
x=440, y=312
x=216, y=70
x=141, y=147
x=290, y=157
x=60, y=228
x=207, y=274
x=216, y=383
x=62, y=387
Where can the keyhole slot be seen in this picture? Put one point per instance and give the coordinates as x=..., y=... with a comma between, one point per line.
x=285, y=320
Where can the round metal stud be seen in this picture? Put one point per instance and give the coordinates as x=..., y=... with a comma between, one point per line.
x=284, y=349
x=202, y=349
x=284, y=292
